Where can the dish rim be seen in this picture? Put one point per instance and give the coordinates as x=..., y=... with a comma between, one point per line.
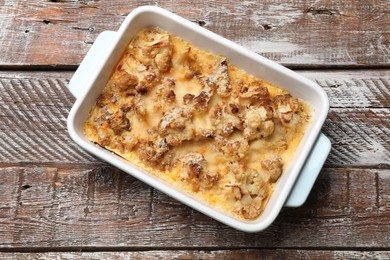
x=247, y=226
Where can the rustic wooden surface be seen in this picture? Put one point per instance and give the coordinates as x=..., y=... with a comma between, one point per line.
x=57, y=200
x=249, y=254
x=296, y=33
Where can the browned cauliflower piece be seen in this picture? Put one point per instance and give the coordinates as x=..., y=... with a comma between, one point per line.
x=124, y=142
x=201, y=101
x=176, y=118
x=274, y=167
x=105, y=98
x=219, y=80
x=255, y=94
x=234, y=149
x=118, y=122
x=188, y=98
x=186, y=62
x=258, y=123
x=152, y=151
x=165, y=92
x=250, y=207
x=148, y=82
x=124, y=80
x=163, y=60
x=148, y=75
x=139, y=107
x=112, y=118
x=193, y=165
x=128, y=141
x=204, y=133
x=104, y=135
x=225, y=119
x=159, y=50
x=195, y=171
x=176, y=125
x=148, y=57
x=285, y=106
x=249, y=192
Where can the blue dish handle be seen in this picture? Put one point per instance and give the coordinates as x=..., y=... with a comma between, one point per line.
x=310, y=169
x=309, y=172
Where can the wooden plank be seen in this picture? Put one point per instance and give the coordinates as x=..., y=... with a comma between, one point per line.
x=359, y=137
x=298, y=33
x=101, y=207
x=199, y=254
x=34, y=107
x=345, y=88
x=354, y=88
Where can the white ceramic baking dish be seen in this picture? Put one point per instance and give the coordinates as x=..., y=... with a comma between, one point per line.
x=93, y=73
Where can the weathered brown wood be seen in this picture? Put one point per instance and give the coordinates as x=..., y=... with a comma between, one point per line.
x=248, y=254
x=298, y=33
x=359, y=137
x=103, y=207
x=34, y=107
x=354, y=88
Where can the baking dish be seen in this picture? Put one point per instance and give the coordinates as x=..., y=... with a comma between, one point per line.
x=93, y=73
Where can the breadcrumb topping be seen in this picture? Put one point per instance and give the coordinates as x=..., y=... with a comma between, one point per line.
x=196, y=121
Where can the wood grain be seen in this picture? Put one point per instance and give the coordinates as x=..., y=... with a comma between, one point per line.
x=298, y=33
x=34, y=107
x=354, y=88
x=59, y=202
x=248, y=254
x=101, y=207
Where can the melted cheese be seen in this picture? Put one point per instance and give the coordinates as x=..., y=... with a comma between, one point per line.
x=198, y=122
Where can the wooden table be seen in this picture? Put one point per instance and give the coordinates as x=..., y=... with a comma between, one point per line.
x=58, y=201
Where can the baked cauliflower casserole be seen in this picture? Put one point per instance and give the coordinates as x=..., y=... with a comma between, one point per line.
x=198, y=122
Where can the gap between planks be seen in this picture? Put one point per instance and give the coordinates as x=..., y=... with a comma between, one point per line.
x=97, y=164
x=110, y=249
x=298, y=67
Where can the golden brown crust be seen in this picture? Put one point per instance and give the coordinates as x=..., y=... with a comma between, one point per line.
x=198, y=122
x=274, y=167
x=285, y=107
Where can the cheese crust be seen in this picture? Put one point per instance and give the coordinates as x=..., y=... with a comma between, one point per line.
x=198, y=122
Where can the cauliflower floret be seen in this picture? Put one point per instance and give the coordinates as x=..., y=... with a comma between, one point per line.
x=111, y=118
x=258, y=123
x=235, y=149
x=176, y=125
x=194, y=170
x=124, y=142
x=249, y=192
x=250, y=207
x=193, y=165
x=225, y=119
x=165, y=93
x=285, y=107
x=124, y=80
x=152, y=151
x=156, y=50
x=118, y=122
x=219, y=80
x=201, y=101
x=255, y=94
x=204, y=133
x=274, y=167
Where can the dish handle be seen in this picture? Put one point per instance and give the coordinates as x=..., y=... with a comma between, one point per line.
x=310, y=169
x=85, y=70
x=309, y=172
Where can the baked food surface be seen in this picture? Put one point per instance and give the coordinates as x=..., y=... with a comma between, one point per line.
x=198, y=122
